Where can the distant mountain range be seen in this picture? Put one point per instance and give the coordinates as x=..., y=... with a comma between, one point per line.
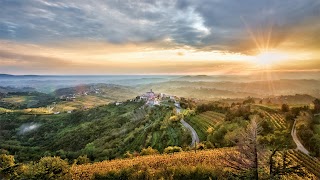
x=10, y=75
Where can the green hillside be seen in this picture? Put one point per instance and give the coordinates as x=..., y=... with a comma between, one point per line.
x=104, y=132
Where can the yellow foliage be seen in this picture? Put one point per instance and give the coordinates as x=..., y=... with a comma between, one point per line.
x=208, y=158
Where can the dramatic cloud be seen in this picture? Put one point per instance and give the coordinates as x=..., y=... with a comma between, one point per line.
x=41, y=32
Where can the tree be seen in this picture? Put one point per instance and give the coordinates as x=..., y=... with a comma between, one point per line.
x=82, y=160
x=128, y=155
x=51, y=168
x=172, y=149
x=246, y=157
x=285, y=108
x=249, y=100
x=6, y=161
x=90, y=150
x=278, y=141
x=148, y=151
x=6, y=165
x=174, y=119
x=316, y=103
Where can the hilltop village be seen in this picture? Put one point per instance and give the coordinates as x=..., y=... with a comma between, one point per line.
x=153, y=99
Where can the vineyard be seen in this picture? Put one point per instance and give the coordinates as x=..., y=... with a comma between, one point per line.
x=209, y=158
x=310, y=164
x=203, y=121
x=277, y=121
x=139, y=114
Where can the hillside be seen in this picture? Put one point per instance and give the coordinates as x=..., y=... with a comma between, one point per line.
x=156, y=165
x=230, y=89
x=203, y=164
x=104, y=132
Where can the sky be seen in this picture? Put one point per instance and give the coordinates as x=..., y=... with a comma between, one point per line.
x=159, y=36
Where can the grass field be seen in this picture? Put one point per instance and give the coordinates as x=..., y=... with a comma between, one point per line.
x=83, y=102
x=16, y=99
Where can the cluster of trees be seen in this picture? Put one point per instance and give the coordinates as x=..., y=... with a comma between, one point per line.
x=307, y=123
x=33, y=100
x=252, y=155
x=212, y=106
x=308, y=133
x=45, y=168
x=240, y=111
x=316, y=103
x=150, y=151
x=187, y=103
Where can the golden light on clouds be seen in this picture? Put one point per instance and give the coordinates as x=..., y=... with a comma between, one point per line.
x=160, y=57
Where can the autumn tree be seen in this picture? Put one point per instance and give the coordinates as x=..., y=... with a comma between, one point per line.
x=6, y=161
x=50, y=168
x=172, y=149
x=148, y=151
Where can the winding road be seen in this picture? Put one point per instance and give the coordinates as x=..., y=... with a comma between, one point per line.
x=194, y=135
x=296, y=140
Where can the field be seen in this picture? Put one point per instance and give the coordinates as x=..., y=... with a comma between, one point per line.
x=209, y=158
x=83, y=102
x=202, y=122
x=310, y=164
x=276, y=119
x=16, y=99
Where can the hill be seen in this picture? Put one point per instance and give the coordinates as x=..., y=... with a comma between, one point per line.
x=103, y=132
x=157, y=166
x=204, y=164
x=229, y=89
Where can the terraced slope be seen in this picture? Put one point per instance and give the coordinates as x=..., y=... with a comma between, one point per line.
x=276, y=119
x=312, y=165
x=203, y=121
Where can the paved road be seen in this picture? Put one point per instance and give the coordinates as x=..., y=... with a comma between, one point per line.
x=194, y=135
x=296, y=139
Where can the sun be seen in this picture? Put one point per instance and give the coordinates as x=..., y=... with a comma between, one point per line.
x=269, y=58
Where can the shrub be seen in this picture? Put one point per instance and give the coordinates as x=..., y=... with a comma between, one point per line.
x=148, y=151
x=6, y=161
x=179, y=173
x=51, y=168
x=285, y=108
x=172, y=149
x=127, y=155
x=174, y=119
x=82, y=160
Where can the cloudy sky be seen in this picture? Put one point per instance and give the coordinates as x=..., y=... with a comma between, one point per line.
x=158, y=36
